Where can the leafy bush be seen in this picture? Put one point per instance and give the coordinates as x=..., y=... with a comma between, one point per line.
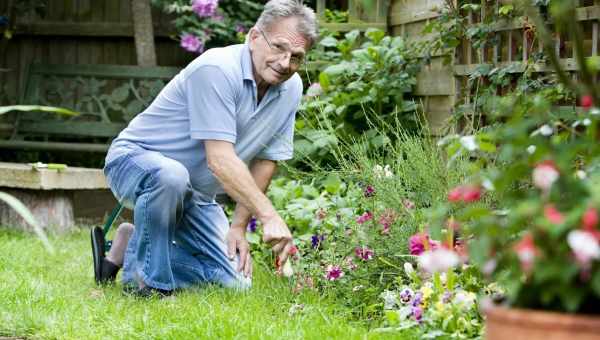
x=373, y=79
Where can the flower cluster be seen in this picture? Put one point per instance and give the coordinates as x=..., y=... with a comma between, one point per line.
x=205, y=8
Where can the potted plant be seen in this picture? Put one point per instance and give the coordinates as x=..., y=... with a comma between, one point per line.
x=530, y=214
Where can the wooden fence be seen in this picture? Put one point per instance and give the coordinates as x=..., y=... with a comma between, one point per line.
x=443, y=87
x=79, y=32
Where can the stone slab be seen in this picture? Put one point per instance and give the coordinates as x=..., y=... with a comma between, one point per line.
x=24, y=176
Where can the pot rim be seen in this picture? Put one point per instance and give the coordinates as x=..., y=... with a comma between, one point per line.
x=543, y=319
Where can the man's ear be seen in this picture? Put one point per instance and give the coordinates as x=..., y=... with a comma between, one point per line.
x=252, y=36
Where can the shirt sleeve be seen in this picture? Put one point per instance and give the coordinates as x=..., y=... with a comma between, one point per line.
x=211, y=102
x=281, y=146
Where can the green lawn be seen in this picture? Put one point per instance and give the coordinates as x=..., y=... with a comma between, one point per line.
x=54, y=297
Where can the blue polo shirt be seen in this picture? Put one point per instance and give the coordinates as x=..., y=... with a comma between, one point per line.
x=215, y=98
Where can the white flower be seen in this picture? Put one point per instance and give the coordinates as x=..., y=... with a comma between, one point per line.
x=438, y=260
x=287, y=269
x=489, y=266
x=584, y=245
x=488, y=185
x=387, y=172
x=587, y=122
x=546, y=130
x=595, y=111
x=581, y=174
x=531, y=149
x=357, y=288
x=465, y=300
x=468, y=142
x=390, y=299
x=544, y=175
x=408, y=268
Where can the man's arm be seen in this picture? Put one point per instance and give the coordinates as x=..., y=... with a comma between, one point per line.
x=262, y=170
x=241, y=186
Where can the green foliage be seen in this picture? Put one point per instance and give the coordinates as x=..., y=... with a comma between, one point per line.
x=373, y=75
x=22, y=210
x=230, y=22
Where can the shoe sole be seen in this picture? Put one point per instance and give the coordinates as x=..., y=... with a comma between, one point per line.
x=97, y=236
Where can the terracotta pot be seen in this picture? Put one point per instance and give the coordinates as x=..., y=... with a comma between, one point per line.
x=522, y=324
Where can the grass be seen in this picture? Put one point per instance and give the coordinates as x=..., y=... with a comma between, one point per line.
x=44, y=296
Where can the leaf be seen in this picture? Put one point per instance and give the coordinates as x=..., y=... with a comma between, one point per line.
x=332, y=183
x=329, y=41
x=506, y=9
x=324, y=81
x=253, y=238
x=5, y=109
x=22, y=210
x=120, y=94
x=375, y=34
x=595, y=283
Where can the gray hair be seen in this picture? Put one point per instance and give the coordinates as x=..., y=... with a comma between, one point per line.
x=278, y=9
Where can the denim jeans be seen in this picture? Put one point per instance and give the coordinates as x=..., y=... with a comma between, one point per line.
x=179, y=237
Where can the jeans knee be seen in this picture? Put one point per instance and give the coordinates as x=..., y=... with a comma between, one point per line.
x=174, y=179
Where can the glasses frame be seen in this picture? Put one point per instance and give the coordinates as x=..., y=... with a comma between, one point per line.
x=293, y=59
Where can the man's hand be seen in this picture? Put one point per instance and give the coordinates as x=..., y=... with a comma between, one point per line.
x=236, y=241
x=277, y=234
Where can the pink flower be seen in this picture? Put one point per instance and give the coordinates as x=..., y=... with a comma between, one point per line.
x=191, y=43
x=545, y=174
x=387, y=218
x=438, y=260
x=334, y=273
x=589, y=220
x=350, y=263
x=587, y=101
x=408, y=204
x=205, y=8
x=465, y=193
x=314, y=90
x=416, y=243
x=585, y=246
x=364, y=253
x=553, y=215
x=364, y=217
x=369, y=191
x=526, y=251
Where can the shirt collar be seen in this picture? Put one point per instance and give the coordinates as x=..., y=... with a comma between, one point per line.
x=247, y=69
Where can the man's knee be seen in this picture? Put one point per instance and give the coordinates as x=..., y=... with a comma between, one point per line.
x=175, y=178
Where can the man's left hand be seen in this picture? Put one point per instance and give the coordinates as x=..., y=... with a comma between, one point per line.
x=236, y=242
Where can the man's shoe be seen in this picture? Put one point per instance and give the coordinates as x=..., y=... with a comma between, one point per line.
x=146, y=292
x=104, y=270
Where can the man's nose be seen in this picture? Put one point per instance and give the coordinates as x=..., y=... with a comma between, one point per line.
x=284, y=61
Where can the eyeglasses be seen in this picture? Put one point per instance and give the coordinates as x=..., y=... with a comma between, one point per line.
x=283, y=51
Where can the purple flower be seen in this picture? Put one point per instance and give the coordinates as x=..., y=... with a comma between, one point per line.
x=364, y=217
x=316, y=240
x=251, y=225
x=369, y=191
x=334, y=273
x=447, y=296
x=417, y=313
x=314, y=90
x=218, y=18
x=406, y=295
x=191, y=43
x=417, y=300
x=240, y=28
x=417, y=242
x=205, y=8
x=364, y=253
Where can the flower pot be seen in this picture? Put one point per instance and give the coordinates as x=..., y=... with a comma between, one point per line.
x=516, y=324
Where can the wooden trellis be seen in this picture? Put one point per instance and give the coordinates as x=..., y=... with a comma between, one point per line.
x=362, y=14
x=443, y=86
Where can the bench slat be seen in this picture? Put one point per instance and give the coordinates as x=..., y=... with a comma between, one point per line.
x=20, y=144
x=88, y=129
x=105, y=71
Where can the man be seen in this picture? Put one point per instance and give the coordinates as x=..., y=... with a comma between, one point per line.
x=222, y=122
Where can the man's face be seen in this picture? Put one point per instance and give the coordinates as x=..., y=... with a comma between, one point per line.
x=278, y=52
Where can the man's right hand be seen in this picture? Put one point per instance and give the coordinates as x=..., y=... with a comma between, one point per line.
x=278, y=235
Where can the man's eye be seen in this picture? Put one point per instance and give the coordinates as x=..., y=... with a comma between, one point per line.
x=279, y=48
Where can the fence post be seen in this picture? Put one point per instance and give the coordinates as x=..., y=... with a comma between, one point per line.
x=143, y=32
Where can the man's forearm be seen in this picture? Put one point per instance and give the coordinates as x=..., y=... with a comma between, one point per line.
x=262, y=171
x=238, y=182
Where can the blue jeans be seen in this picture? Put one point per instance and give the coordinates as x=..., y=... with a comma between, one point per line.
x=179, y=237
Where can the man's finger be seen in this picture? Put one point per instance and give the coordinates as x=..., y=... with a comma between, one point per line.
x=231, y=243
x=277, y=248
x=248, y=265
x=284, y=253
x=243, y=248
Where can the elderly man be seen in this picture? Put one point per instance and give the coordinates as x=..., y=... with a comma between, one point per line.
x=222, y=122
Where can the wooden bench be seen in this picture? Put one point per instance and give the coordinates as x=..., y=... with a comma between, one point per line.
x=106, y=96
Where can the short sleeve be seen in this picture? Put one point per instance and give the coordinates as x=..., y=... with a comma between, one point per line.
x=211, y=102
x=281, y=146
